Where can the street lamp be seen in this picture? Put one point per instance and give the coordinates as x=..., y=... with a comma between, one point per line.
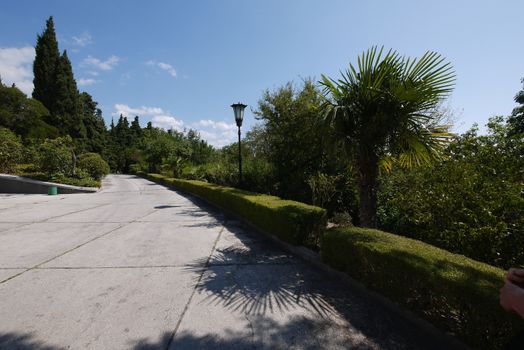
x=238, y=108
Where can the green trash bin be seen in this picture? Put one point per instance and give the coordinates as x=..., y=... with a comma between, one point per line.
x=53, y=190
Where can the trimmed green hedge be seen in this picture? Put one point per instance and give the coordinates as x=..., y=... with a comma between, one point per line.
x=293, y=222
x=455, y=293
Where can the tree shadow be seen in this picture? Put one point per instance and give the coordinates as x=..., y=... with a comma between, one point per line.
x=265, y=333
x=21, y=341
x=166, y=206
x=194, y=213
x=248, y=274
x=204, y=224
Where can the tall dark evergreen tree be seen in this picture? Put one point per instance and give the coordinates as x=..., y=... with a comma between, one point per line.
x=45, y=64
x=135, y=128
x=122, y=133
x=96, y=131
x=66, y=105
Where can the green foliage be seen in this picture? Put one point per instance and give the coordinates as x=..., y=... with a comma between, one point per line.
x=10, y=150
x=82, y=180
x=159, y=146
x=457, y=294
x=66, y=105
x=516, y=121
x=45, y=65
x=291, y=221
x=323, y=188
x=470, y=202
x=197, y=150
x=55, y=85
x=56, y=156
x=24, y=116
x=96, y=133
x=175, y=164
x=258, y=175
x=291, y=136
x=95, y=166
x=381, y=110
x=69, y=113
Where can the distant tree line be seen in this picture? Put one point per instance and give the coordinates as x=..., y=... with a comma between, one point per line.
x=60, y=128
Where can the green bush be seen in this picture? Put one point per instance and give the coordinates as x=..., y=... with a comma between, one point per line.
x=82, y=179
x=471, y=202
x=135, y=168
x=94, y=165
x=55, y=156
x=10, y=150
x=455, y=293
x=291, y=221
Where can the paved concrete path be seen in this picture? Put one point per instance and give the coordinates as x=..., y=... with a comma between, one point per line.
x=137, y=266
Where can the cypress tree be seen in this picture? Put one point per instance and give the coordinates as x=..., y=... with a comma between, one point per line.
x=44, y=66
x=122, y=132
x=94, y=124
x=135, y=128
x=66, y=104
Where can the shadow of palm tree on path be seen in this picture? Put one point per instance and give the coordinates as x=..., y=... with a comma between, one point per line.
x=266, y=285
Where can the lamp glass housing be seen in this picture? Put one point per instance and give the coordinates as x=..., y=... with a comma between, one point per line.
x=238, y=108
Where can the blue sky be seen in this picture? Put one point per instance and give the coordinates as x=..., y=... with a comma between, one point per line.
x=182, y=63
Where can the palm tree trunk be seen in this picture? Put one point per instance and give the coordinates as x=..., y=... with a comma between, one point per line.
x=368, y=175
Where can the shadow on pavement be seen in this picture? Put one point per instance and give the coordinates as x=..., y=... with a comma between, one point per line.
x=265, y=333
x=20, y=341
x=248, y=274
x=241, y=281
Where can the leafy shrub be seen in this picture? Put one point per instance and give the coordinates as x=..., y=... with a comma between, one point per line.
x=470, y=202
x=323, y=188
x=95, y=166
x=258, y=176
x=55, y=156
x=135, y=168
x=10, y=150
x=216, y=172
x=82, y=180
x=293, y=222
x=457, y=294
x=341, y=219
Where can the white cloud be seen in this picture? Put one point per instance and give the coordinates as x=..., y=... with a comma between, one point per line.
x=164, y=66
x=220, y=125
x=16, y=66
x=167, y=122
x=86, y=82
x=216, y=133
x=82, y=40
x=96, y=63
x=140, y=111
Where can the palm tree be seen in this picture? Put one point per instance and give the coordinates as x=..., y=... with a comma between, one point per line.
x=384, y=112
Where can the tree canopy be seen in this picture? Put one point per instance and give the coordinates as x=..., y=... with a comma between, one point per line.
x=382, y=110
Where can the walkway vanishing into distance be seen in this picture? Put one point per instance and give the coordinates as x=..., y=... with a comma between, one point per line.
x=137, y=266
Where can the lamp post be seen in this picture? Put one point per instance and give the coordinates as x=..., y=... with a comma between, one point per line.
x=238, y=108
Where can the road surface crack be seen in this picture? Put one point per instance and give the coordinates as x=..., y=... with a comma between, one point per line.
x=186, y=307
